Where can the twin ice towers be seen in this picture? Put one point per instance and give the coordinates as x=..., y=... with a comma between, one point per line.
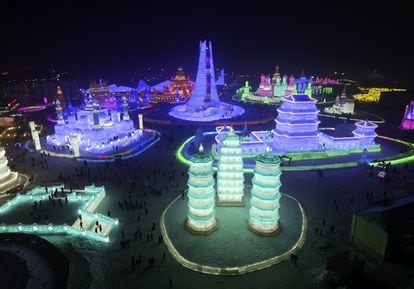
x=202, y=196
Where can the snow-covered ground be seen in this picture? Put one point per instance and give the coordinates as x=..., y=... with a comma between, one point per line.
x=232, y=244
x=98, y=265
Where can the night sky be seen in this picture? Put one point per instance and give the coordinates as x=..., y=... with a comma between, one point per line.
x=117, y=40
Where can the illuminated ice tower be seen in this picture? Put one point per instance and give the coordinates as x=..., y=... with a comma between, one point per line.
x=244, y=91
x=35, y=135
x=140, y=121
x=59, y=112
x=297, y=124
x=125, y=108
x=265, y=87
x=407, y=122
x=201, y=216
x=264, y=203
x=303, y=85
x=96, y=110
x=75, y=145
x=204, y=104
x=59, y=96
x=279, y=85
x=205, y=91
x=230, y=176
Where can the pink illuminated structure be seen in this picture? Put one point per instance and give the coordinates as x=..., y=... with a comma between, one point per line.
x=265, y=87
x=407, y=122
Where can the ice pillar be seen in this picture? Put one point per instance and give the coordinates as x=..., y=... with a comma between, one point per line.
x=75, y=145
x=35, y=135
x=141, y=121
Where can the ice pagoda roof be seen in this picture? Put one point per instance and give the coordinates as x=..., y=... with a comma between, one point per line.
x=366, y=123
x=201, y=158
x=300, y=98
x=142, y=85
x=267, y=158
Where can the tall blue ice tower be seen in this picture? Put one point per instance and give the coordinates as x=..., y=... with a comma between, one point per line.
x=205, y=91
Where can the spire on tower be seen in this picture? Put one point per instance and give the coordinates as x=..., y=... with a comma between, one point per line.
x=231, y=132
x=201, y=148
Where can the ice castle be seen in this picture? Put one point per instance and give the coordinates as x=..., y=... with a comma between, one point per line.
x=297, y=129
x=94, y=130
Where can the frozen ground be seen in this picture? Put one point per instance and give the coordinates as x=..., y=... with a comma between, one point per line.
x=223, y=247
x=28, y=261
x=107, y=266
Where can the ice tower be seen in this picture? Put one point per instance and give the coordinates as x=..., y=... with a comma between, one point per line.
x=264, y=210
x=407, y=122
x=230, y=176
x=297, y=124
x=204, y=104
x=303, y=85
x=279, y=84
x=205, y=91
x=201, y=216
x=59, y=112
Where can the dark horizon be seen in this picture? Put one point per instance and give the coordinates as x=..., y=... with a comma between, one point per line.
x=120, y=40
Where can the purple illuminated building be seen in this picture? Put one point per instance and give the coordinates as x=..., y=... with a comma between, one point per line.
x=265, y=86
x=407, y=122
x=297, y=129
x=297, y=124
x=98, y=130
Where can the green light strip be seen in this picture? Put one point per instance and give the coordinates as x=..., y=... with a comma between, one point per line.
x=406, y=158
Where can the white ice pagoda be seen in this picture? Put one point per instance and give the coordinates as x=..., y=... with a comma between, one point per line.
x=230, y=178
x=264, y=210
x=201, y=217
x=297, y=124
